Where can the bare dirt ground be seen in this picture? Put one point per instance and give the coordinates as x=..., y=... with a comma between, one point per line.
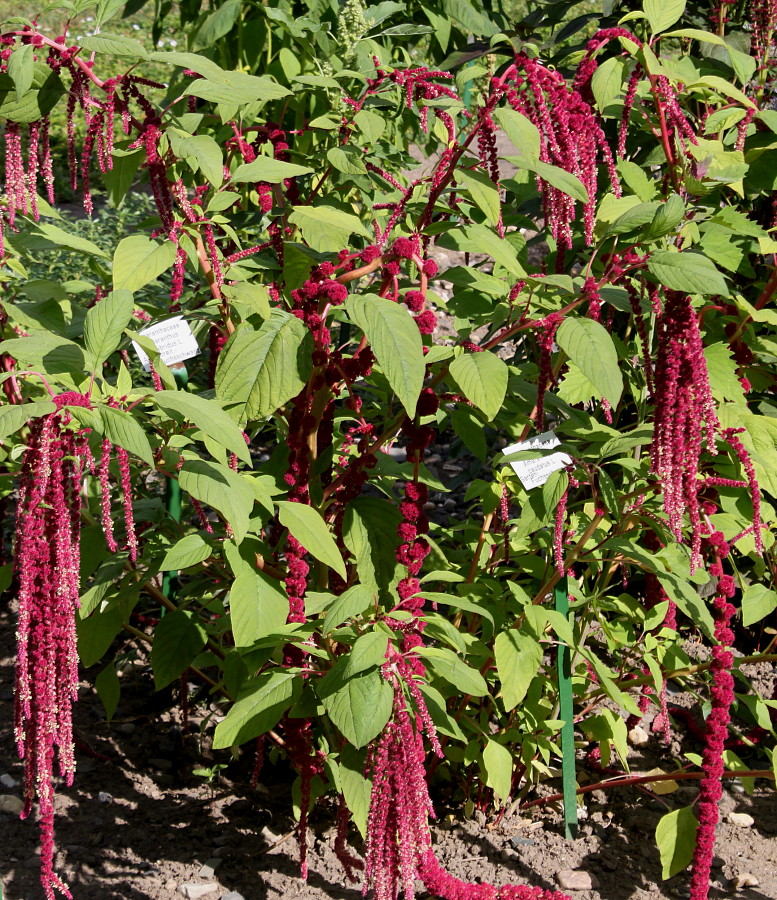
x=138, y=825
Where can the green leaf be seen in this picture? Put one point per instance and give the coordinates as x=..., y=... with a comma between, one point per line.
x=325, y=228
x=359, y=706
x=208, y=416
x=264, y=369
x=688, y=271
x=454, y=670
x=396, y=342
x=108, y=688
x=662, y=14
x=114, y=45
x=218, y=486
x=118, y=179
x=106, y=10
x=258, y=606
x=484, y=193
x=676, y=840
x=357, y=789
x=499, y=249
x=590, y=347
x=347, y=160
x=482, y=378
x=259, y=707
x=667, y=218
x=369, y=650
x=758, y=601
x=38, y=100
x=194, y=61
x=498, y=767
x=123, y=430
x=370, y=124
x=518, y=659
x=21, y=68
x=217, y=25
x=97, y=633
x=265, y=168
x=13, y=417
x=203, y=150
x=138, y=260
x=46, y=352
x=607, y=80
x=178, y=638
x=58, y=237
x=236, y=88
x=370, y=533
x=523, y=133
x=311, y=531
x=189, y=551
x=104, y=326
x=349, y=604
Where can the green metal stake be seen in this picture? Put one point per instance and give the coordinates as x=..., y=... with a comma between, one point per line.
x=566, y=711
x=173, y=493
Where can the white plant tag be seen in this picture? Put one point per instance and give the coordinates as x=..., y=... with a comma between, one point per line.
x=174, y=340
x=535, y=472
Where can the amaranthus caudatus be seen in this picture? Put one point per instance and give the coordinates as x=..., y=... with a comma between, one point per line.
x=47, y=558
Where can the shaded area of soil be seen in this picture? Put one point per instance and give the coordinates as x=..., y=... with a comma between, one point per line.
x=138, y=824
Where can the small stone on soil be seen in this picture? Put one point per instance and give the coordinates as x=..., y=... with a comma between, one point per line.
x=208, y=870
x=232, y=895
x=576, y=880
x=193, y=891
x=8, y=781
x=104, y=797
x=638, y=737
x=743, y=880
x=9, y=803
x=741, y=820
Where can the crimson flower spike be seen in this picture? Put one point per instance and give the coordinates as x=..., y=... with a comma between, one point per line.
x=46, y=562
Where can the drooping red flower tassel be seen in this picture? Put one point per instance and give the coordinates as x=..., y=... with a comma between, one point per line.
x=47, y=558
x=399, y=848
x=716, y=731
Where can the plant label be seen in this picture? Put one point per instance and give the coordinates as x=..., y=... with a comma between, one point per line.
x=535, y=472
x=173, y=339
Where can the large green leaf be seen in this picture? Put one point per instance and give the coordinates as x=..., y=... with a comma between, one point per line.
x=45, y=90
x=236, y=88
x=264, y=369
x=114, y=45
x=218, y=486
x=396, y=342
x=47, y=353
x=689, y=272
x=359, y=706
x=370, y=533
x=208, y=416
x=311, y=531
x=518, y=659
x=448, y=665
x=676, y=840
x=265, y=168
x=590, y=347
x=325, y=228
x=178, y=638
x=499, y=249
x=522, y=132
x=259, y=707
x=482, y=378
x=124, y=430
x=484, y=193
x=138, y=260
x=104, y=326
x=258, y=606
x=356, y=788
x=498, y=768
x=189, y=551
x=662, y=14
x=12, y=417
x=350, y=603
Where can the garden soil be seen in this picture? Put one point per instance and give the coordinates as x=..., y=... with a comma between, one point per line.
x=137, y=824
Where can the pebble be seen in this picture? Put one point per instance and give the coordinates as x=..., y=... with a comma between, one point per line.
x=104, y=797
x=576, y=880
x=517, y=841
x=208, y=869
x=193, y=891
x=171, y=884
x=232, y=895
x=741, y=820
x=8, y=781
x=9, y=803
x=743, y=880
x=638, y=737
